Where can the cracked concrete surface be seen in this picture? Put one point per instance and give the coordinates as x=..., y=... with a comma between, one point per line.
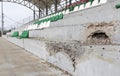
x=15, y=61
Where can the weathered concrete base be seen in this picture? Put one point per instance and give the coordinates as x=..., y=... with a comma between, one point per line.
x=99, y=60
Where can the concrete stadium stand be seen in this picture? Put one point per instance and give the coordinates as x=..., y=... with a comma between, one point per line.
x=94, y=60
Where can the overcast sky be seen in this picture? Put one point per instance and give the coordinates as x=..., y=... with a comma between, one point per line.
x=13, y=13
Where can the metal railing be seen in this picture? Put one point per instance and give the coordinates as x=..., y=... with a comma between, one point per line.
x=22, y=22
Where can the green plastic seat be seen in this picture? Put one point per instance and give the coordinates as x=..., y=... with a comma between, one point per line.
x=44, y=20
x=71, y=8
x=117, y=6
x=79, y=5
x=98, y=1
x=85, y=4
x=34, y=22
x=25, y=34
x=48, y=19
x=39, y=22
x=52, y=19
x=56, y=17
x=91, y=1
x=15, y=34
x=61, y=16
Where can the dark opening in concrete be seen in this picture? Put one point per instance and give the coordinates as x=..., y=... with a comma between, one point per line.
x=99, y=38
x=100, y=35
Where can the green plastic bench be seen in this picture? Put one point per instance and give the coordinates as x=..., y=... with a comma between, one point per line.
x=25, y=34
x=15, y=34
x=117, y=6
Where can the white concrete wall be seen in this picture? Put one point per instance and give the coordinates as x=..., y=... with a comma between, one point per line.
x=61, y=33
x=100, y=62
